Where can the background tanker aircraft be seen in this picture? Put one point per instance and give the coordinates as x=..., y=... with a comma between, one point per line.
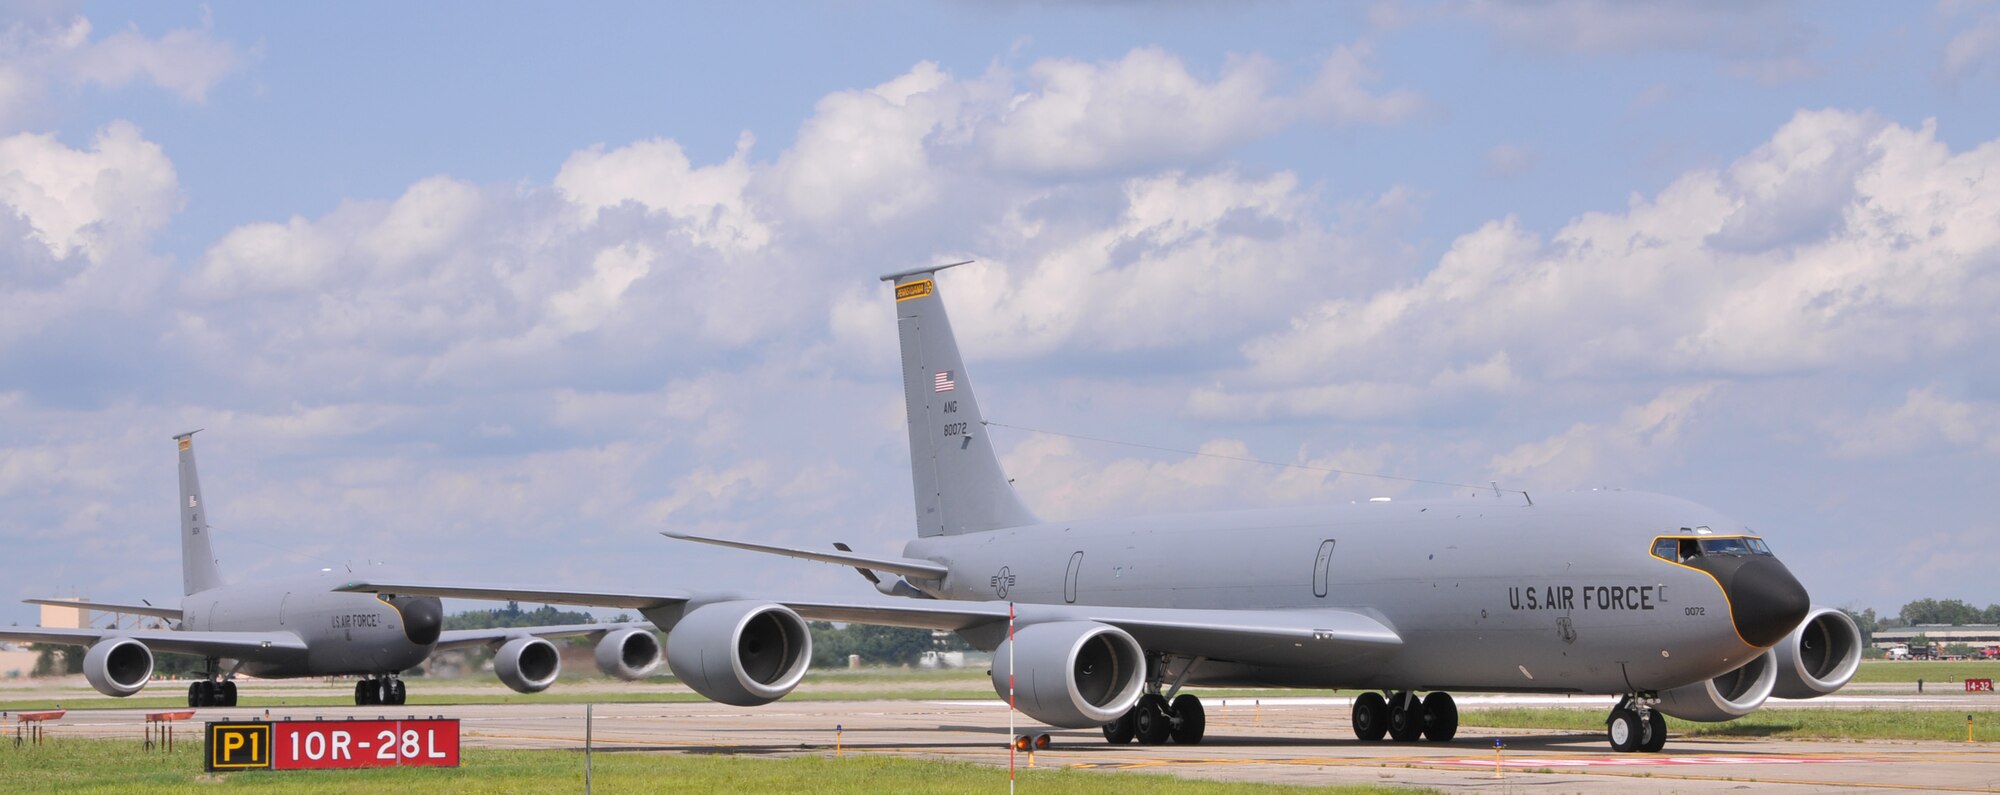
x=1663, y=602
x=300, y=627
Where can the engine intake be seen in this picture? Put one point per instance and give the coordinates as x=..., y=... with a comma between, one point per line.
x=1072, y=674
x=628, y=653
x=1726, y=697
x=118, y=666
x=1819, y=657
x=740, y=653
x=528, y=665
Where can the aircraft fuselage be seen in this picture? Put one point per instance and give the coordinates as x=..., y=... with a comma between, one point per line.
x=345, y=633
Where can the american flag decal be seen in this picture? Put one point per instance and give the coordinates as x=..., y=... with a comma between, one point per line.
x=943, y=382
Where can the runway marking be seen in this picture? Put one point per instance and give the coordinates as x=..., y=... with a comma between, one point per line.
x=1654, y=761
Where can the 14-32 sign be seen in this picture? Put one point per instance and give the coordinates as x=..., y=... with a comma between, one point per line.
x=332, y=744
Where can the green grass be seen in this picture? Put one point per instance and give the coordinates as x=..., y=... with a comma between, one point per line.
x=1817, y=724
x=1931, y=671
x=247, y=699
x=111, y=766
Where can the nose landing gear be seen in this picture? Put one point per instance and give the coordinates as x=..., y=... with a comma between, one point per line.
x=1636, y=725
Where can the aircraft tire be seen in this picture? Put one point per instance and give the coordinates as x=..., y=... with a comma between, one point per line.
x=1190, y=720
x=1625, y=730
x=364, y=692
x=194, y=695
x=1122, y=730
x=1152, y=726
x=226, y=695
x=1656, y=733
x=399, y=692
x=1440, y=717
x=1406, y=718
x=1371, y=716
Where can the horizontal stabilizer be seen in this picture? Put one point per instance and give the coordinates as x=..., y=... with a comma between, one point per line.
x=172, y=613
x=908, y=567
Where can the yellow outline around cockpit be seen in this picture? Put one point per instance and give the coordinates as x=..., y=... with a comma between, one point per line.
x=1711, y=578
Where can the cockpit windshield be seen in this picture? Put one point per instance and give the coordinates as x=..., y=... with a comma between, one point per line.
x=1683, y=548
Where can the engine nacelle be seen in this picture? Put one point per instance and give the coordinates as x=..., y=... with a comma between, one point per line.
x=628, y=653
x=1072, y=674
x=1819, y=657
x=528, y=665
x=1726, y=697
x=743, y=653
x=118, y=666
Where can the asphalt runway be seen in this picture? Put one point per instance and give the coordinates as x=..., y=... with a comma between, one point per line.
x=1289, y=740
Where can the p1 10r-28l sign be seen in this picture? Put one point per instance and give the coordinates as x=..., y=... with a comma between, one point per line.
x=331, y=744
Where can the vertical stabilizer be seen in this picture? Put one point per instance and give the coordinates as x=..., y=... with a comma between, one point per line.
x=198, y=570
x=959, y=485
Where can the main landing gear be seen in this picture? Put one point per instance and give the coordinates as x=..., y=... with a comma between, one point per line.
x=1405, y=718
x=212, y=693
x=1636, y=725
x=385, y=690
x=1158, y=718
x=213, y=689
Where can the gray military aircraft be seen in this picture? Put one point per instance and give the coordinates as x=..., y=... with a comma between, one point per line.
x=1666, y=603
x=300, y=627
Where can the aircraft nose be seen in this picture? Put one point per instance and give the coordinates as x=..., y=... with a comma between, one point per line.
x=423, y=617
x=1765, y=600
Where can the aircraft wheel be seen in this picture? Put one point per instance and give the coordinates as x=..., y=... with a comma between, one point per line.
x=1625, y=730
x=1656, y=732
x=400, y=693
x=1190, y=720
x=1121, y=731
x=1406, y=718
x=364, y=693
x=385, y=691
x=226, y=697
x=1371, y=716
x=1152, y=725
x=1440, y=717
x=194, y=695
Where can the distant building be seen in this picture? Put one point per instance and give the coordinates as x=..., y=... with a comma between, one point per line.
x=16, y=662
x=1977, y=636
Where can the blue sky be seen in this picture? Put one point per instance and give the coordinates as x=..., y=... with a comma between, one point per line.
x=447, y=282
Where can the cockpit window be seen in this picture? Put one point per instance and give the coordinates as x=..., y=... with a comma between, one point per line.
x=1684, y=549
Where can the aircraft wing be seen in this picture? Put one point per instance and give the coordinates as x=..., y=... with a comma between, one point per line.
x=172, y=613
x=234, y=645
x=461, y=638
x=503, y=594
x=1309, y=635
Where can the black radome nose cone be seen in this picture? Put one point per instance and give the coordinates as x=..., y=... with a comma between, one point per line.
x=423, y=617
x=1766, y=601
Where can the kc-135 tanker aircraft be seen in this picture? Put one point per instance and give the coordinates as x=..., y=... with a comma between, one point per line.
x=301, y=627
x=1666, y=603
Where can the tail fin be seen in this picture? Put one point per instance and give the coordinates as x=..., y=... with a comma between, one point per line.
x=959, y=485
x=198, y=570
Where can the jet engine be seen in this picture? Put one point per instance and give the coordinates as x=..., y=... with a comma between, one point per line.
x=528, y=665
x=1819, y=657
x=628, y=653
x=118, y=666
x=740, y=653
x=1072, y=674
x=1726, y=697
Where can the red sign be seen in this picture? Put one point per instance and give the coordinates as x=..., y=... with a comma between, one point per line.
x=1978, y=685
x=334, y=744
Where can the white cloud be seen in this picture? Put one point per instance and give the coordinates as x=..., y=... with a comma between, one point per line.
x=1927, y=420
x=1809, y=252
x=1972, y=50
x=39, y=50
x=91, y=201
x=709, y=201
x=1644, y=439
x=584, y=306
x=1058, y=480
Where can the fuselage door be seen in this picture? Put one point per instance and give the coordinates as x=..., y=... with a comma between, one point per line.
x=1322, y=564
x=1069, y=580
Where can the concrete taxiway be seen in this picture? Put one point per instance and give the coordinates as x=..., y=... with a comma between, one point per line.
x=1289, y=740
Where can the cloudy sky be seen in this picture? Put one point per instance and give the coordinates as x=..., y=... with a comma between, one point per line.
x=507, y=290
